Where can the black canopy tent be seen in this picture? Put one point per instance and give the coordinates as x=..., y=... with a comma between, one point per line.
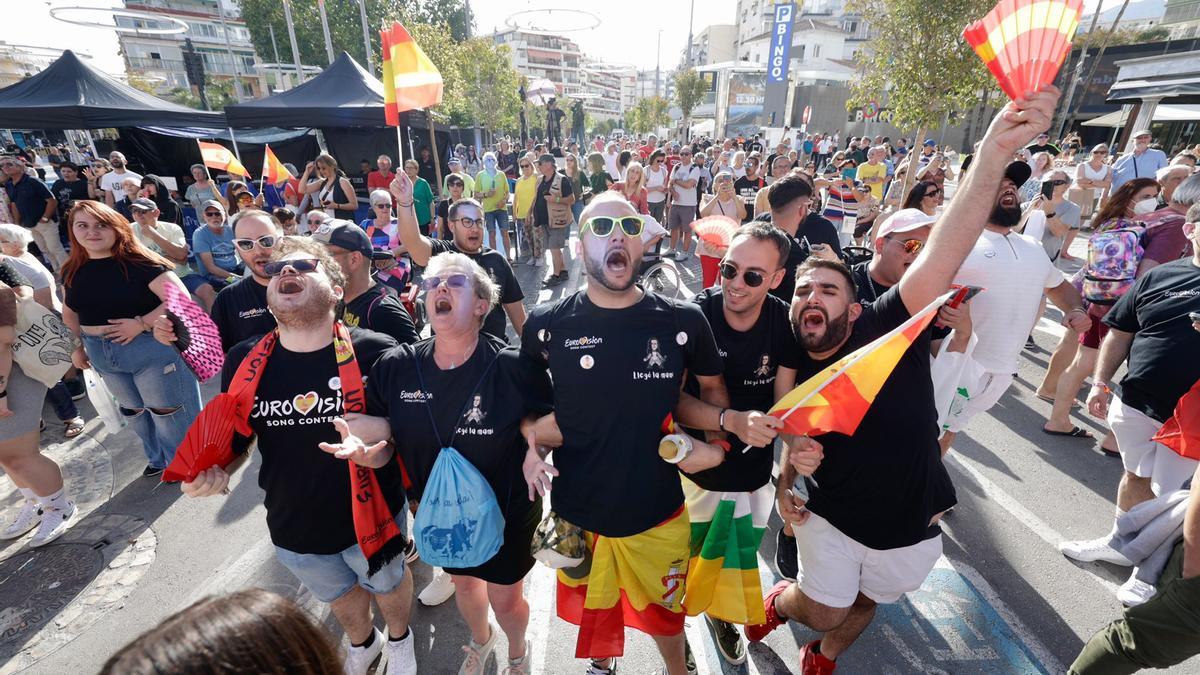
x=346, y=103
x=70, y=94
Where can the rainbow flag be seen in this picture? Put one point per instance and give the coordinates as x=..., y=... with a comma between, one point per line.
x=727, y=528
x=273, y=170
x=410, y=80
x=837, y=398
x=217, y=156
x=1024, y=42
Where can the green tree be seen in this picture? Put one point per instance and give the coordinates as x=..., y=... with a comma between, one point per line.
x=690, y=89
x=653, y=112
x=489, y=85
x=219, y=93
x=345, y=25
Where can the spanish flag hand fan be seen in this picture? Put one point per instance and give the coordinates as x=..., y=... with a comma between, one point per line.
x=716, y=231
x=208, y=442
x=1024, y=42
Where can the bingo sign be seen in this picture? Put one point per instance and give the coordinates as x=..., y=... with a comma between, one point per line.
x=870, y=110
x=781, y=43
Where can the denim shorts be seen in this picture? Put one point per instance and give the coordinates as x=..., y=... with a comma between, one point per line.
x=329, y=577
x=497, y=219
x=194, y=281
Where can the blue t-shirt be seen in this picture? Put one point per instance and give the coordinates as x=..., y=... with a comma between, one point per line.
x=220, y=245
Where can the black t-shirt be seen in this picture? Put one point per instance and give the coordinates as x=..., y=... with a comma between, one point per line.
x=428, y=171
x=507, y=162
x=377, y=310
x=882, y=485
x=747, y=189
x=308, y=490
x=359, y=182
x=617, y=373
x=868, y=289
x=102, y=289
x=487, y=432
x=752, y=359
x=240, y=312
x=1161, y=364
x=67, y=192
x=754, y=146
x=814, y=229
x=541, y=211
x=500, y=270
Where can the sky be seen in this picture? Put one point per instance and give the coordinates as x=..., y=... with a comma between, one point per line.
x=627, y=34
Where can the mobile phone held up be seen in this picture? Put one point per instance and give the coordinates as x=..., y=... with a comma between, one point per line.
x=962, y=294
x=1048, y=189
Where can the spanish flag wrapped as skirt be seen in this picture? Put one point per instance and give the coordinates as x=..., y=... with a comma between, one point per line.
x=635, y=582
x=727, y=528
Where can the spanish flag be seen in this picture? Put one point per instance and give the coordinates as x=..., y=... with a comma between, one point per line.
x=273, y=171
x=1024, y=42
x=837, y=398
x=217, y=156
x=410, y=80
x=1181, y=433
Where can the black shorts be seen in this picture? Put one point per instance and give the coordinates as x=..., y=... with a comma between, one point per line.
x=514, y=559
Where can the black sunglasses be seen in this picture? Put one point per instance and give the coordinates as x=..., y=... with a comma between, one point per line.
x=265, y=241
x=1058, y=182
x=753, y=279
x=210, y=214
x=301, y=265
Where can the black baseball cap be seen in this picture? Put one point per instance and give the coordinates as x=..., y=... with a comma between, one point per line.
x=1018, y=172
x=345, y=234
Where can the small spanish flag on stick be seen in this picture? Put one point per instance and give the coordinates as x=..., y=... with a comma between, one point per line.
x=273, y=171
x=1024, y=42
x=410, y=80
x=217, y=156
x=837, y=398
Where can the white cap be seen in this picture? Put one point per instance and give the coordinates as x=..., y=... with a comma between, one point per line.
x=904, y=220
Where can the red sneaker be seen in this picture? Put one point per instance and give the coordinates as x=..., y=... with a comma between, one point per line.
x=813, y=662
x=757, y=632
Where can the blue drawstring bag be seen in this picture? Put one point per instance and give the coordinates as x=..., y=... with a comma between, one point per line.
x=459, y=523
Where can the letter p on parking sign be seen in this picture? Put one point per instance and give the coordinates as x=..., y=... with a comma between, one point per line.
x=781, y=43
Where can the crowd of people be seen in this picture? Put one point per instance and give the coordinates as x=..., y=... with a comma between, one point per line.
x=835, y=244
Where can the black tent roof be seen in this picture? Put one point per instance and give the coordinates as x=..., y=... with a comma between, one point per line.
x=343, y=95
x=71, y=94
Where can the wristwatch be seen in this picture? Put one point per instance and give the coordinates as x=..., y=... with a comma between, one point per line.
x=674, y=448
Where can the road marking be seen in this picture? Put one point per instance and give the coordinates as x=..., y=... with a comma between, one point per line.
x=539, y=593
x=1015, y=509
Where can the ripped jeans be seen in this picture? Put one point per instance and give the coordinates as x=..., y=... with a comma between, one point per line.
x=157, y=393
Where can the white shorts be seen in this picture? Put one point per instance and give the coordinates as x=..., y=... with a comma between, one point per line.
x=985, y=395
x=834, y=568
x=1141, y=456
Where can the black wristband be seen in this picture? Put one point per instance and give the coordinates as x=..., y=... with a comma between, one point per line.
x=4, y=394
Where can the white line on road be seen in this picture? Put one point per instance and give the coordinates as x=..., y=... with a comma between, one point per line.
x=1014, y=508
x=233, y=573
x=539, y=593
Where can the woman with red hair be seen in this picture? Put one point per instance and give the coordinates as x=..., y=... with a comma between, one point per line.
x=115, y=288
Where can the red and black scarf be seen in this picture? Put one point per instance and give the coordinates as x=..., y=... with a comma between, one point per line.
x=374, y=526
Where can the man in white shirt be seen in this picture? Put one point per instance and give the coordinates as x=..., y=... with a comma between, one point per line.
x=681, y=205
x=610, y=161
x=110, y=182
x=1014, y=271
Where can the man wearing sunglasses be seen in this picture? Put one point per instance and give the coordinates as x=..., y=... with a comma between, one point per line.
x=552, y=214
x=681, y=204
x=898, y=242
x=240, y=310
x=169, y=241
x=466, y=224
x=1062, y=215
x=618, y=356
x=868, y=532
x=213, y=245
x=367, y=304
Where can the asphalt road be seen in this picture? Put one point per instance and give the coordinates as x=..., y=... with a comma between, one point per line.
x=1001, y=600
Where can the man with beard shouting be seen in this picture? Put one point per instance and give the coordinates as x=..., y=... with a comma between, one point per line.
x=1014, y=271
x=618, y=356
x=870, y=531
x=298, y=380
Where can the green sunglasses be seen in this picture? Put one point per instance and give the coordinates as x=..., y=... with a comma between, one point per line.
x=602, y=226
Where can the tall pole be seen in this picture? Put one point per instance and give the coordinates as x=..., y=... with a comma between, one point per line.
x=1087, y=82
x=275, y=52
x=1078, y=71
x=362, y=14
x=287, y=16
x=691, y=17
x=325, y=29
x=658, y=63
x=237, y=72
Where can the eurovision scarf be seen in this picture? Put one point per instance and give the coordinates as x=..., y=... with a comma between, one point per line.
x=374, y=526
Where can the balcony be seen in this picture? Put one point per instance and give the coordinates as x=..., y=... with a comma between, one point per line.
x=142, y=63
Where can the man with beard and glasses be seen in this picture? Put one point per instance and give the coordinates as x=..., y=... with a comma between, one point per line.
x=466, y=224
x=367, y=304
x=635, y=349
x=869, y=531
x=335, y=535
x=1014, y=270
x=240, y=310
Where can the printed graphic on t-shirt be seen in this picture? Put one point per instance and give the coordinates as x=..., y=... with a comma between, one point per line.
x=654, y=358
x=474, y=414
x=764, y=368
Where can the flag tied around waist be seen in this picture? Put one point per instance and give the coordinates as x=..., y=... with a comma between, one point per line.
x=838, y=397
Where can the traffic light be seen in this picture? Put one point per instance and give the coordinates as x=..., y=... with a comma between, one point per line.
x=193, y=65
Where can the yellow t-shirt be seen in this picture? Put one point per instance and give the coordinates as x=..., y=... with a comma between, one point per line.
x=524, y=196
x=866, y=170
x=499, y=182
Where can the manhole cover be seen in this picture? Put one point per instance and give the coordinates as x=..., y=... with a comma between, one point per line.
x=35, y=586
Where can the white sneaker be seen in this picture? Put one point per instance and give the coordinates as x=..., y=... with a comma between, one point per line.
x=477, y=654
x=523, y=665
x=438, y=591
x=1135, y=592
x=401, y=656
x=27, y=518
x=54, y=524
x=594, y=669
x=1094, y=550
x=359, y=659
